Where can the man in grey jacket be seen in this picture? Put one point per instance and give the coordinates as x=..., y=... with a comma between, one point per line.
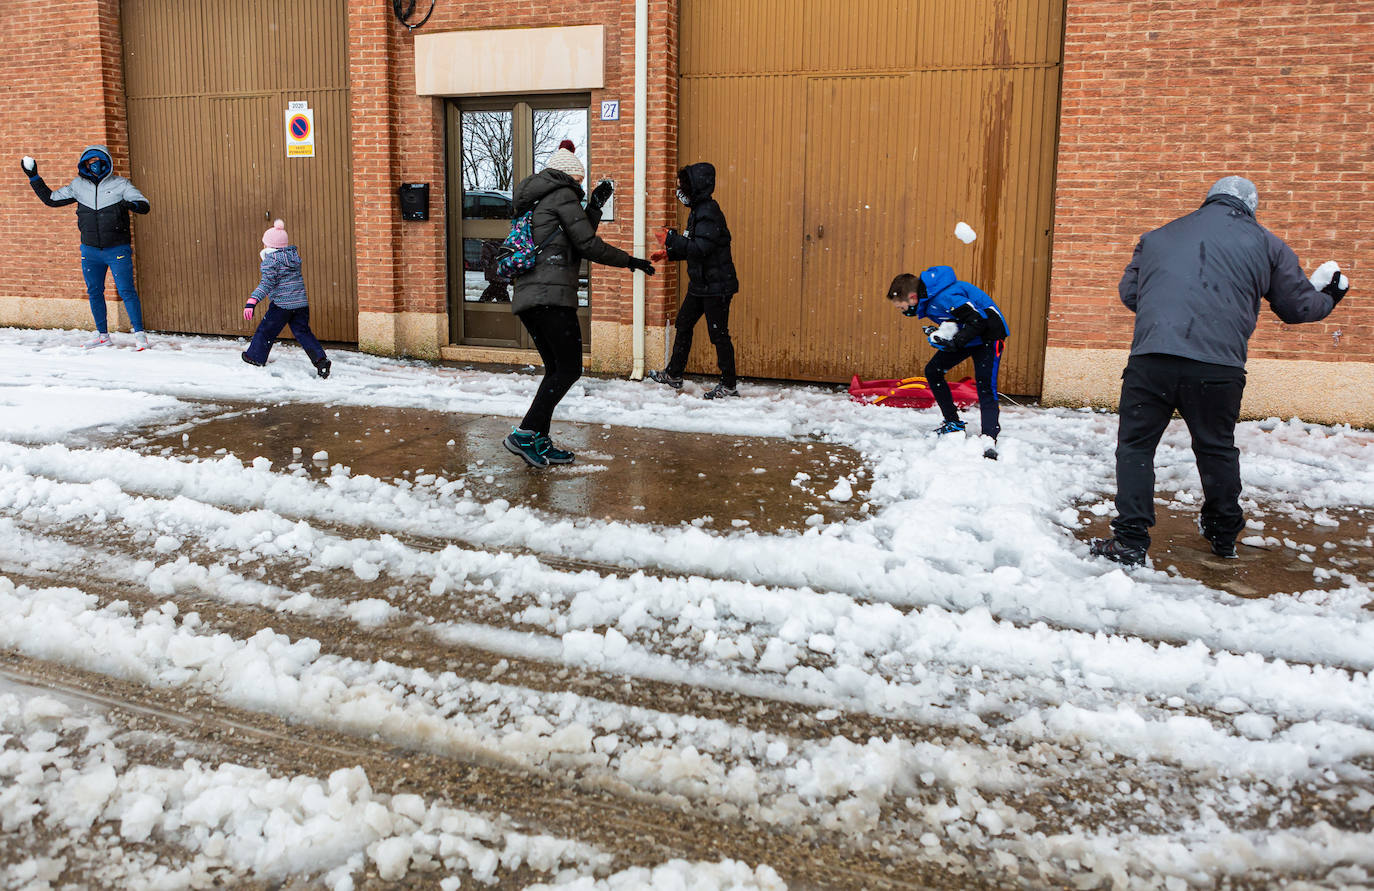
x=1195, y=286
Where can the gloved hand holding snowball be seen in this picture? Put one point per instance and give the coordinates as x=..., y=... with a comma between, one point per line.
x=1331, y=281
x=30, y=166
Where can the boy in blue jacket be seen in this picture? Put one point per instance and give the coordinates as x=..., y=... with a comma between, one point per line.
x=968, y=325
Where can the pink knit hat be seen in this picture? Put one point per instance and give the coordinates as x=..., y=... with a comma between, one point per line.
x=275, y=237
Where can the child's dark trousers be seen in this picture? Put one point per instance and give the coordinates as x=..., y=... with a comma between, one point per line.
x=271, y=325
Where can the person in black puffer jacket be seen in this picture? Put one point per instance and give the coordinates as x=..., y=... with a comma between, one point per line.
x=545, y=299
x=103, y=202
x=711, y=279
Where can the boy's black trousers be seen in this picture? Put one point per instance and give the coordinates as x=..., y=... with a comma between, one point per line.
x=717, y=312
x=986, y=359
x=1207, y=396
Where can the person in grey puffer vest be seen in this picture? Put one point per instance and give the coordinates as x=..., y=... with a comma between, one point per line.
x=1195, y=286
x=283, y=283
x=103, y=202
x=545, y=299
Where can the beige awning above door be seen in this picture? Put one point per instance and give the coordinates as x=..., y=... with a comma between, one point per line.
x=510, y=60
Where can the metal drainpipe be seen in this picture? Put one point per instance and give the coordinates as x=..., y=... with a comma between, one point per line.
x=641, y=140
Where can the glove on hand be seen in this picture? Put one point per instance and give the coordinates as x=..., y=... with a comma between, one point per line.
x=1336, y=288
x=30, y=167
x=602, y=193
x=641, y=265
x=248, y=310
x=939, y=342
x=658, y=256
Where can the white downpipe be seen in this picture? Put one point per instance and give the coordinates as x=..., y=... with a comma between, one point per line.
x=641, y=148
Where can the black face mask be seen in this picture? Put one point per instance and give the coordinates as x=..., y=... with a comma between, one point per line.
x=684, y=198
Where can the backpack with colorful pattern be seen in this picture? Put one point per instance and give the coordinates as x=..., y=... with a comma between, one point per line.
x=518, y=253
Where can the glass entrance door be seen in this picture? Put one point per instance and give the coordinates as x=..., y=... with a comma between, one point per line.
x=493, y=144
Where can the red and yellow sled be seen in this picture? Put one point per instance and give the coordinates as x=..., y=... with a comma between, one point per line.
x=910, y=392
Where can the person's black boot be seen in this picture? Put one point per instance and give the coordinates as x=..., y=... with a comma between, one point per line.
x=1222, y=545
x=1114, y=550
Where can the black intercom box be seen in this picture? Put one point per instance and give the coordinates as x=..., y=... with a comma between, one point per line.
x=414, y=201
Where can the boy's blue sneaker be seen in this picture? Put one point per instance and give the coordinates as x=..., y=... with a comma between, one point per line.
x=553, y=452
x=533, y=447
x=949, y=427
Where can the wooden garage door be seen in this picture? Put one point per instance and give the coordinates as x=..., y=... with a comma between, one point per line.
x=850, y=138
x=208, y=84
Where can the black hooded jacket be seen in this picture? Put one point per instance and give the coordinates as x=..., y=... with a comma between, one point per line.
x=705, y=243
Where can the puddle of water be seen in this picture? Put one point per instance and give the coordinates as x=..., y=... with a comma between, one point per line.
x=621, y=473
x=1298, y=553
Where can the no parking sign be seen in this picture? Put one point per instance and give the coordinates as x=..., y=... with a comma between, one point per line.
x=300, y=130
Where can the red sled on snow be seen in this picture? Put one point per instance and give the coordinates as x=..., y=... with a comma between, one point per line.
x=911, y=392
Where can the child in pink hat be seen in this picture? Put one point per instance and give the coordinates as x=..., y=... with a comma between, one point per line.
x=283, y=283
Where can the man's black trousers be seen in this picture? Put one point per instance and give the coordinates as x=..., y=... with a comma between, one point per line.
x=717, y=312
x=558, y=337
x=1208, y=398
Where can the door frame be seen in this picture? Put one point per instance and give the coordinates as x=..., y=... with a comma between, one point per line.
x=522, y=108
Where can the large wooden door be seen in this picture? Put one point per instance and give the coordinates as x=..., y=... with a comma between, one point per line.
x=207, y=86
x=852, y=137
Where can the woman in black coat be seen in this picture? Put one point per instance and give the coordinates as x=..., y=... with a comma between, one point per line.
x=545, y=299
x=711, y=280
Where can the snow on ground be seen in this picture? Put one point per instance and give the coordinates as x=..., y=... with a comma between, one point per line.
x=961, y=601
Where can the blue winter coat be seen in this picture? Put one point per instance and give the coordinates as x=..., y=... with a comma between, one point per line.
x=282, y=279
x=945, y=297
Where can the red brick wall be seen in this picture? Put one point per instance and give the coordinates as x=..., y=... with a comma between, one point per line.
x=64, y=90
x=1162, y=97
x=399, y=137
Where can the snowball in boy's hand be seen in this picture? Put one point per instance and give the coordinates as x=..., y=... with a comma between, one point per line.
x=29, y=164
x=946, y=331
x=964, y=232
x=1325, y=272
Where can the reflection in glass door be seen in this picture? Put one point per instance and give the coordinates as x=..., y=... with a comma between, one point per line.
x=493, y=145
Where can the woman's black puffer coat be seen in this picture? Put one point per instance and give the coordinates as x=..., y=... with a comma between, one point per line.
x=556, y=199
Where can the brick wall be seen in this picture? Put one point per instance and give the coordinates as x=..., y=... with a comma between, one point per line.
x=1162, y=97
x=399, y=137
x=64, y=90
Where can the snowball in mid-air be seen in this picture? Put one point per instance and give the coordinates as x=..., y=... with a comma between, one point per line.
x=964, y=232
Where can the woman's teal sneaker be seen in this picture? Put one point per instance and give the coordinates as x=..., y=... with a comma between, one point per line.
x=553, y=452
x=532, y=447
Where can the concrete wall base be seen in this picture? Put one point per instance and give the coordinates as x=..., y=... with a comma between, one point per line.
x=58, y=312
x=413, y=334
x=1320, y=392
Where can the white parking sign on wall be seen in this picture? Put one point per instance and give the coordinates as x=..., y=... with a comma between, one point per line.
x=300, y=130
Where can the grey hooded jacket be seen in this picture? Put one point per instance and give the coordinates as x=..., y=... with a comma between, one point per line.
x=556, y=199
x=1195, y=284
x=102, y=205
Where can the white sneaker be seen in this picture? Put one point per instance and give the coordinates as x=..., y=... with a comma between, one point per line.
x=140, y=341
x=100, y=340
